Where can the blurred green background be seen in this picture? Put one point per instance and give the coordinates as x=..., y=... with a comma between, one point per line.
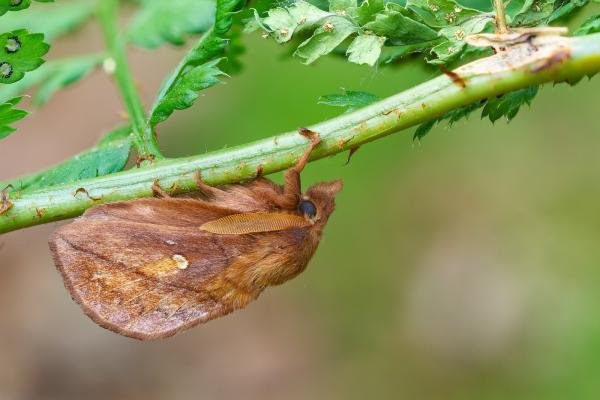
x=462, y=267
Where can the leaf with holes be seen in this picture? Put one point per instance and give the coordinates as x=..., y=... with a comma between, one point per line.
x=22, y=52
x=17, y=5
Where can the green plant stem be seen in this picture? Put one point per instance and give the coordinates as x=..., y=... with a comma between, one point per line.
x=500, y=16
x=144, y=139
x=421, y=103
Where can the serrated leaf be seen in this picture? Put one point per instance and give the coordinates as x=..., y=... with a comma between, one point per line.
x=453, y=47
x=326, y=38
x=423, y=129
x=365, y=49
x=52, y=76
x=452, y=117
x=17, y=5
x=21, y=52
x=350, y=99
x=533, y=12
x=509, y=104
x=344, y=7
x=53, y=21
x=283, y=22
x=198, y=70
x=108, y=156
x=367, y=10
x=400, y=29
x=590, y=25
x=563, y=8
x=440, y=13
x=185, y=91
x=159, y=22
x=10, y=115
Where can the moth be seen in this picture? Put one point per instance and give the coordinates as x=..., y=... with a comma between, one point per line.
x=149, y=268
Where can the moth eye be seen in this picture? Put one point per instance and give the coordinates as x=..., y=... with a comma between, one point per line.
x=307, y=208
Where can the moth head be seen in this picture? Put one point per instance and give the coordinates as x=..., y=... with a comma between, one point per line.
x=319, y=201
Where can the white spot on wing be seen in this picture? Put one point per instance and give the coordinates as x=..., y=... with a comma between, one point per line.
x=170, y=242
x=182, y=262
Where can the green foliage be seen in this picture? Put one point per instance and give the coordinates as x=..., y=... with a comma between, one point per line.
x=17, y=5
x=109, y=155
x=53, y=76
x=589, y=26
x=350, y=99
x=9, y=115
x=159, y=22
x=495, y=108
x=402, y=27
x=22, y=52
x=198, y=70
x=417, y=26
x=509, y=104
x=53, y=21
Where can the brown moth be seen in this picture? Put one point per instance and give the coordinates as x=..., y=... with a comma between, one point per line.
x=149, y=268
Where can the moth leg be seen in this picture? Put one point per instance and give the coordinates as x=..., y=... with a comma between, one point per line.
x=292, y=189
x=158, y=191
x=204, y=187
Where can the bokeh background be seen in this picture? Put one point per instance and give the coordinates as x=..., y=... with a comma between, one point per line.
x=466, y=266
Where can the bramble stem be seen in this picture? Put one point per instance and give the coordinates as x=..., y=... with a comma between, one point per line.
x=492, y=76
x=143, y=137
x=501, y=26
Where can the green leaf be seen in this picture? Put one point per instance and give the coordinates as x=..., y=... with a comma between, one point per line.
x=563, y=8
x=9, y=115
x=53, y=21
x=53, y=76
x=327, y=37
x=17, y=5
x=300, y=16
x=453, y=48
x=108, y=156
x=347, y=8
x=159, y=22
x=452, y=117
x=590, y=25
x=350, y=99
x=367, y=10
x=400, y=29
x=21, y=52
x=509, y=104
x=365, y=49
x=440, y=13
x=533, y=12
x=185, y=91
x=198, y=70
